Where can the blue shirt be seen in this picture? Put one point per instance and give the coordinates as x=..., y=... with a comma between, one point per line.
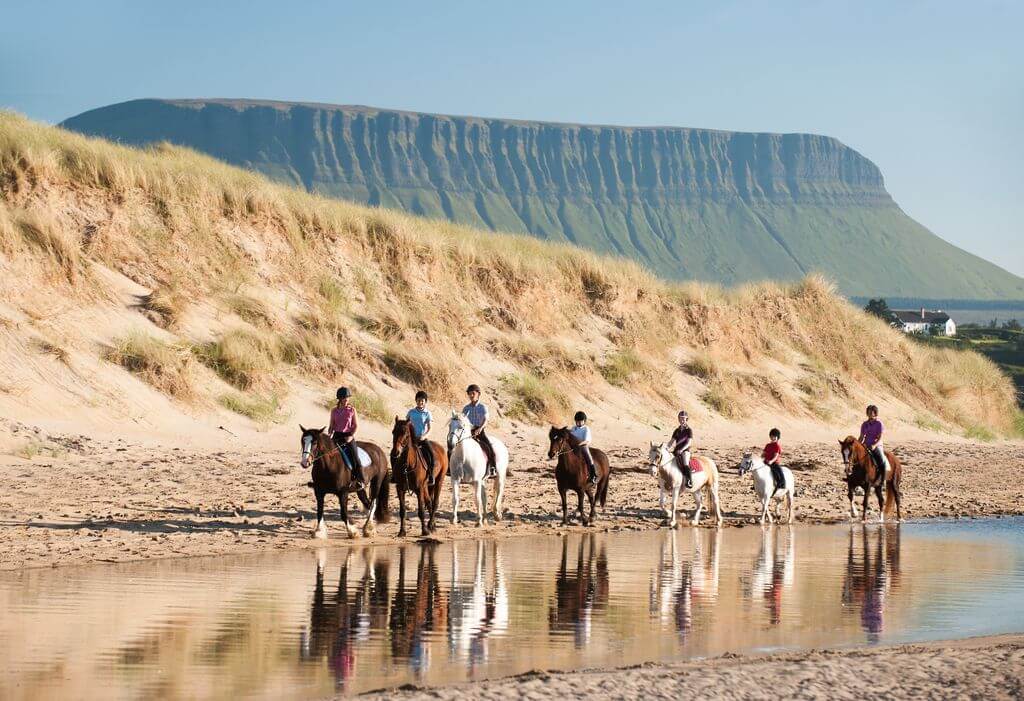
x=476, y=413
x=419, y=419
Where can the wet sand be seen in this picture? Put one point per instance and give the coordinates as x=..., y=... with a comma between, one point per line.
x=90, y=500
x=981, y=668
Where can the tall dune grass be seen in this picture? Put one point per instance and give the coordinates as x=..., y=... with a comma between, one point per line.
x=372, y=289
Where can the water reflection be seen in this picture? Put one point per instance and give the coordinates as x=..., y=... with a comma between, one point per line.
x=872, y=573
x=344, y=621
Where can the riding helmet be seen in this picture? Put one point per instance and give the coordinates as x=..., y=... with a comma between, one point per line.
x=683, y=414
x=580, y=416
x=473, y=388
x=343, y=392
x=421, y=395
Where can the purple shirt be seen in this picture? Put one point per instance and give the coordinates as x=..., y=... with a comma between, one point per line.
x=871, y=430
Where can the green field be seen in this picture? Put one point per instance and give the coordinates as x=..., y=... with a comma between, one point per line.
x=1005, y=347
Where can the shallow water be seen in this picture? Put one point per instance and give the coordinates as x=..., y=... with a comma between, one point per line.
x=311, y=624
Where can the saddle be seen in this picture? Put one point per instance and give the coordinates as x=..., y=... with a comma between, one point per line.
x=485, y=445
x=696, y=465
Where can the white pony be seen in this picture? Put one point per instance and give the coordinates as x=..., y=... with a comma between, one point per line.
x=662, y=464
x=764, y=485
x=467, y=462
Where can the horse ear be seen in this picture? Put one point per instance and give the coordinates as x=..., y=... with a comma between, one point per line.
x=321, y=429
x=396, y=419
x=302, y=428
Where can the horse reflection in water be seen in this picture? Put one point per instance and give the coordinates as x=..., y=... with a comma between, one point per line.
x=338, y=622
x=480, y=610
x=579, y=594
x=872, y=571
x=678, y=581
x=773, y=572
x=418, y=612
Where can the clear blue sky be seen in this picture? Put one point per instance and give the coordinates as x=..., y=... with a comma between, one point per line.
x=933, y=92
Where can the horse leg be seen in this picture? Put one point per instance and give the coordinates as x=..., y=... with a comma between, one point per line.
x=698, y=497
x=498, y=494
x=480, y=491
x=369, y=527
x=661, y=497
x=765, y=513
x=401, y=512
x=880, y=495
x=421, y=497
x=565, y=507
x=789, y=502
x=455, y=500
x=592, y=496
x=321, y=528
x=675, y=505
x=353, y=532
x=853, y=507
x=896, y=497
x=864, y=515
x=583, y=514
x=718, y=506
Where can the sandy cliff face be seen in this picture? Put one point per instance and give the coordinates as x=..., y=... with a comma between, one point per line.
x=689, y=203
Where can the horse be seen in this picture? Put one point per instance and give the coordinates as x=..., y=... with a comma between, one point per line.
x=410, y=473
x=861, y=471
x=332, y=476
x=571, y=473
x=662, y=464
x=467, y=462
x=764, y=486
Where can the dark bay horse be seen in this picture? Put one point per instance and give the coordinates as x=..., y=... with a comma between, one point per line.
x=332, y=476
x=410, y=473
x=571, y=472
x=861, y=471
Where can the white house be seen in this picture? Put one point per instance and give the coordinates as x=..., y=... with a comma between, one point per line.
x=922, y=320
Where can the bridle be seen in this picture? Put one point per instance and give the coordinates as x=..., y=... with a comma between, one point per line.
x=461, y=431
x=562, y=439
x=309, y=456
x=655, y=466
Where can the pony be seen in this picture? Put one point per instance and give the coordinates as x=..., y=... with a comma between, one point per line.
x=467, y=462
x=764, y=485
x=478, y=608
x=861, y=471
x=410, y=474
x=331, y=476
x=662, y=464
x=571, y=473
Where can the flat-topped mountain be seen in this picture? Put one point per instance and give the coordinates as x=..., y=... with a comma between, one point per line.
x=688, y=203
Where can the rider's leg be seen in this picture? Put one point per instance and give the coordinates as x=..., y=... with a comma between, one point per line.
x=485, y=444
x=881, y=461
x=428, y=457
x=591, y=470
x=779, y=481
x=683, y=460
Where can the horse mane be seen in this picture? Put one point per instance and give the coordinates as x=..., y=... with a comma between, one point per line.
x=565, y=433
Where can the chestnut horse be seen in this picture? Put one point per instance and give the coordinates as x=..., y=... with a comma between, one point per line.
x=332, y=476
x=571, y=472
x=410, y=473
x=861, y=471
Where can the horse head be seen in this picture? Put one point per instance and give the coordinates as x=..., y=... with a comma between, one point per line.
x=746, y=464
x=458, y=425
x=559, y=438
x=656, y=458
x=401, y=437
x=848, y=448
x=310, y=437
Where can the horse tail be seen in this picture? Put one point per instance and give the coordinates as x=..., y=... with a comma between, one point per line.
x=602, y=495
x=890, y=497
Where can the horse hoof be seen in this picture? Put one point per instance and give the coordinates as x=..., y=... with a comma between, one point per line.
x=320, y=535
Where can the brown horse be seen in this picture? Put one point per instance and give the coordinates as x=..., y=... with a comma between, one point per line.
x=410, y=473
x=861, y=471
x=571, y=472
x=332, y=476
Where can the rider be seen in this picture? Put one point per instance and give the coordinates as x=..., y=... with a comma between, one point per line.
x=476, y=412
x=421, y=419
x=871, y=437
x=342, y=429
x=679, y=445
x=771, y=455
x=582, y=433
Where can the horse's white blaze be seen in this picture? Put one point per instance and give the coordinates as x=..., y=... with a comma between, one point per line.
x=662, y=464
x=468, y=463
x=307, y=448
x=761, y=475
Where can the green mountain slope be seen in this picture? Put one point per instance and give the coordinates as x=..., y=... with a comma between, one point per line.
x=699, y=204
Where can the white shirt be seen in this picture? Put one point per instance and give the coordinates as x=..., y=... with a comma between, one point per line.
x=581, y=433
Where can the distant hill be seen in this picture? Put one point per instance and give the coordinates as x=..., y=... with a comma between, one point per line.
x=719, y=206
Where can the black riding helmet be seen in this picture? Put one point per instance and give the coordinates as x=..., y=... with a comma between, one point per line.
x=580, y=416
x=343, y=392
x=473, y=388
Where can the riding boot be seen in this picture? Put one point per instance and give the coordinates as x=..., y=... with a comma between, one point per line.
x=687, y=477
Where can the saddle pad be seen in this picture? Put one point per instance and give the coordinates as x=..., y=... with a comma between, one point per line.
x=696, y=465
x=364, y=457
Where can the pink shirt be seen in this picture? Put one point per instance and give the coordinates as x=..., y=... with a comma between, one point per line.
x=343, y=419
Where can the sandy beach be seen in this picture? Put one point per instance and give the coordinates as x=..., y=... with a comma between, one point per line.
x=980, y=668
x=82, y=499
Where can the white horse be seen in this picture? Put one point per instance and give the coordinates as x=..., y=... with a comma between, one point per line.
x=467, y=462
x=662, y=464
x=764, y=486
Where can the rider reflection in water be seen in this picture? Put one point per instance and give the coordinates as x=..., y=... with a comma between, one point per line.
x=870, y=577
x=578, y=595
